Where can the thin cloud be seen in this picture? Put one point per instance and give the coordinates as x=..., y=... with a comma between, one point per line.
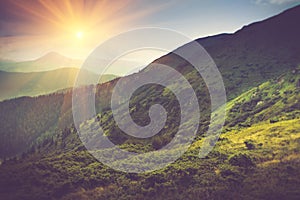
x=277, y=2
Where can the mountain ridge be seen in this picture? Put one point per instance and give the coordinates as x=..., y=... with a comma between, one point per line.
x=236, y=168
x=47, y=62
x=17, y=84
x=242, y=68
x=260, y=140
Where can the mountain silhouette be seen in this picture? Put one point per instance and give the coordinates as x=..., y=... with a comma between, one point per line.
x=49, y=61
x=18, y=84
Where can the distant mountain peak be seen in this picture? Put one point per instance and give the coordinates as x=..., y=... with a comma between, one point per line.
x=52, y=56
x=49, y=61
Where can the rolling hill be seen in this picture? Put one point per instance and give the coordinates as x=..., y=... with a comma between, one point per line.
x=250, y=151
x=17, y=84
x=241, y=64
x=257, y=156
x=49, y=61
x=53, y=61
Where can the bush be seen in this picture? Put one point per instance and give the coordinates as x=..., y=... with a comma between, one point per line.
x=249, y=144
x=274, y=120
x=241, y=160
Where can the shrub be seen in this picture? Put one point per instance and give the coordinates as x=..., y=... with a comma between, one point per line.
x=274, y=120
x=241, y=160
x=249, y=144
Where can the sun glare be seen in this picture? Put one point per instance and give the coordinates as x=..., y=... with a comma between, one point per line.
x=75, y=23
x=79, y=35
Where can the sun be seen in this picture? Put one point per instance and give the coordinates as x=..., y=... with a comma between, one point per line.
x=79, y=34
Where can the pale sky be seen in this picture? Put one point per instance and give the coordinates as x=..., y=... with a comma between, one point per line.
x=73, y=28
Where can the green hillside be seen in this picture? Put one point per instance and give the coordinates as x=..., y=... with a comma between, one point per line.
x=274, y=100
x=256, y=157
x=238, y=167
x=246, y=59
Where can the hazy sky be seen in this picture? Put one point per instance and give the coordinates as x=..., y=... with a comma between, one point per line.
x=31, y=28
